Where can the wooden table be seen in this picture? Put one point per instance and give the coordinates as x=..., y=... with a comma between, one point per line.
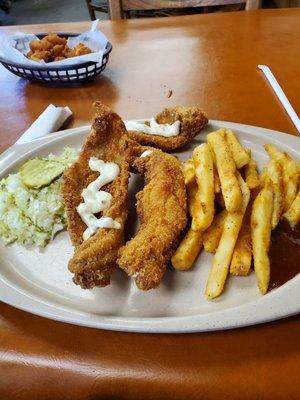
x=208, y=60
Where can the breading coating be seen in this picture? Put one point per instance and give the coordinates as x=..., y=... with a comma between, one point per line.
x=161, y=207
x=192, y=119
x=54, y=48
x=94, y=259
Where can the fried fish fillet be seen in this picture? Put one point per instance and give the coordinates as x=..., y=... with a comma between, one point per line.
x=192, y=119
x=95, y=258
x=161, y=207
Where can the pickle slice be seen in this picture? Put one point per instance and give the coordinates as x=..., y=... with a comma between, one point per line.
x=37, y=173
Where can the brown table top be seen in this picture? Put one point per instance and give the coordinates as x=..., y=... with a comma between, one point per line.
x=208, y=60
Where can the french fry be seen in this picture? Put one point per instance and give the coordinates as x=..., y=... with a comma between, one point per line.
x=263, y=176
x=274, y=174
x=188, y=250
x=217, y=183
x=227, y=171
x=290, y=173
x=218, y=192
x=242, y=254
x=251, y=173
x=222, y=258
x=261, y=224
x=240, y=155
x=191, y=244
x=293, y=213
x=212, y=235
x=191, y=196
x=188, y=170
x=203, y=209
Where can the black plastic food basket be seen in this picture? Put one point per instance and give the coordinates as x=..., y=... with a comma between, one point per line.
x=65, y=75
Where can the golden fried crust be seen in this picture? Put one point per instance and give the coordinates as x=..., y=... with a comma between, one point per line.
x=192, y=119
x=95, y=259
x=161, y=207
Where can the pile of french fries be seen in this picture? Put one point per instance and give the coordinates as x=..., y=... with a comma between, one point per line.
x=233, y=209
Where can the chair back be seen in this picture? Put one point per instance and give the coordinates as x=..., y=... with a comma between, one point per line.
x=118, y=7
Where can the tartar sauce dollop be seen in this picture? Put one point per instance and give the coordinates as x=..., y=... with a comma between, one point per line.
x=96, y=200
x=146, y=153
x=167, y=130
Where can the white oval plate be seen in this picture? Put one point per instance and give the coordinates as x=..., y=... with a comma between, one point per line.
x=39, y=282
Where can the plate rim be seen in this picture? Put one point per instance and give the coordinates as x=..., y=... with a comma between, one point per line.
x=247, y=314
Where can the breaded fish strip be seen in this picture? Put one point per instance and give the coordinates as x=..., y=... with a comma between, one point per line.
x=162, y=208
x=95, y=258
x=192, y=119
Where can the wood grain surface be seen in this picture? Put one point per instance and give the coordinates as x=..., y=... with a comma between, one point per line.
x=208, y=60
x=116, y=7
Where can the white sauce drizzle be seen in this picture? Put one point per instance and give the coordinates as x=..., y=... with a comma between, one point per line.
x=166, y=130
x=96, y=200
x=146, y=153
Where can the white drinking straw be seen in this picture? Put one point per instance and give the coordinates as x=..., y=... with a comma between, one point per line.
x=280, y=94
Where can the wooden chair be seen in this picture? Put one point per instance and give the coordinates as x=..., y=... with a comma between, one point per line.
x=92, y=7
x=117, y=8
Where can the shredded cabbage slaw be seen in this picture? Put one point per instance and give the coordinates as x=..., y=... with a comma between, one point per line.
x=33, y=216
